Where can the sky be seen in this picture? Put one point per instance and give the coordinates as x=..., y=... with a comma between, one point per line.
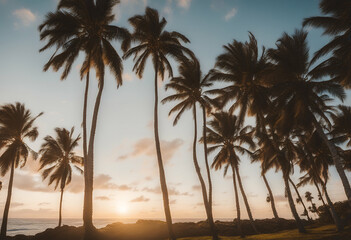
x=126, y=183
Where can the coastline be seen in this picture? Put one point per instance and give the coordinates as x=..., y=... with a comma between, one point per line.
x=155, y=229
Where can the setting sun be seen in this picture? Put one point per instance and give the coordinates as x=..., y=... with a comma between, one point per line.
x=122, y=208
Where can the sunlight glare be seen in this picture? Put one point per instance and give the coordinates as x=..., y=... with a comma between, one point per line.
x=122, y=208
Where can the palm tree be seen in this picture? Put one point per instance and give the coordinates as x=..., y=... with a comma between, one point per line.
x=158, y=44
x=309, y=198
x=336, y=23
x=315, y=159
x=271, y=155
x=84, y=25
x=189, y=91
x=301, y=97
x=16, y=125
x=299, y=199
x=225, y=135
x=259, y=157
x=270, y=197
x=244, y=69
x=57, y=159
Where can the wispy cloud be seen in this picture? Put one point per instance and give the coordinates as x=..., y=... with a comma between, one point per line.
x=230, y=14
x=146, y=147
x=140, y=199
x=196, y=187
x=16, y=204
x=167, y=10
x=129, y=6
x=127, y=77
x=280, y=198
x=171, y=191
x=28, y=181
x=102, y=198
x=44, y=203
x=184, y=3
x=24, y=17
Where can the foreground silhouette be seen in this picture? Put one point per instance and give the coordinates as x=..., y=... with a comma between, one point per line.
x=85, y=26
x=57, y=158
x=157, y=230
x=16, y=126
x=156, y=43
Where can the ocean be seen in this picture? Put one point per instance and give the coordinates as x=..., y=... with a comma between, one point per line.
x=29, y=226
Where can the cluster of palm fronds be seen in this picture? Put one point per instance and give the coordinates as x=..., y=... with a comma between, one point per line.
x=289, y=96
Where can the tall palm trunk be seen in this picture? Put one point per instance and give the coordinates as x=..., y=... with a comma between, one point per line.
x=85, y=106
x=333, y=213
x=270, y=196
x=8, y=201
x=236, y=200
x=336, y=159
x=86, y=219
x=206, y=158
x=160, y=164
x=60, y=209
x=202, y=182
x=292, y=204
x=245, y=200
x=299, y=196
x=89, y=170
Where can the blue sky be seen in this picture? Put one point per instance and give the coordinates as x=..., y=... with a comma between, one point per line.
x=125, y=164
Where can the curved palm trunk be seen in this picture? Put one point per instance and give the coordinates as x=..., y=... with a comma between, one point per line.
x=292, y=204
x=319, y=193
x=299, y=196
x=333, y=213
x=263, y=128
x=237, y=201
x=245, y=200
x=8, y=201
x=202, y=182
x=89, y=171
x=299, y=224
x=160, y=165
x=270, y=196
x=206, y=158
x=336, y=159
x=60, y=210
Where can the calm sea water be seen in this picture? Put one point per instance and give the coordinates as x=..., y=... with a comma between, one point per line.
x=29, y=226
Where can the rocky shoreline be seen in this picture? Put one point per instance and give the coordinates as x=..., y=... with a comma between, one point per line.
x=157, y=230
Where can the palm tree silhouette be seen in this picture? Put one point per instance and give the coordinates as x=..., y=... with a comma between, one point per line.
x=158, y=44
x=299, y=199
x=57, y=159
x=225, y=134
x=300, y=97
x=315, y=159
x=271, y=156
x=189, y=88
x=244, y=69
x=16, y=125
x=84, y=25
